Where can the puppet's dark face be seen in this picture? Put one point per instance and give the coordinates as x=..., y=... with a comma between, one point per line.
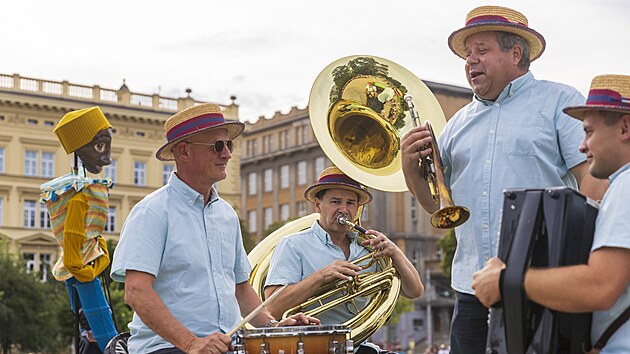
x=97, y=153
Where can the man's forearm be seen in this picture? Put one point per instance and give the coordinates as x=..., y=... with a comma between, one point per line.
x=154, y=313
x=294, y=295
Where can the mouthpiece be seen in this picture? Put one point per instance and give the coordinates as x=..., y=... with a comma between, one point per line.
x=343, y=220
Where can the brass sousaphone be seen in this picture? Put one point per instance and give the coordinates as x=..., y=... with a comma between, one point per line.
x=359, y=109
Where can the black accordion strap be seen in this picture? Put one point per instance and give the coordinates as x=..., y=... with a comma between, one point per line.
x=614, y=326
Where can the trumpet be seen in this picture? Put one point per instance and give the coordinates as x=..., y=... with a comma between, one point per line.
x=448, y=215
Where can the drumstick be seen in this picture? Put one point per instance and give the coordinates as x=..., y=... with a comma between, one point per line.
x=256, y=311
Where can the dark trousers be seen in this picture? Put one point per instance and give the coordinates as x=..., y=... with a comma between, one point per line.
x=469, y=328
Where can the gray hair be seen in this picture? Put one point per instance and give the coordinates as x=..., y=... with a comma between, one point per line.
x=508, y=40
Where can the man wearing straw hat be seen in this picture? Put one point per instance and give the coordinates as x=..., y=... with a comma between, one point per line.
x=324, y=253
x=603, y=284
x=181, y=251
x=512, y=135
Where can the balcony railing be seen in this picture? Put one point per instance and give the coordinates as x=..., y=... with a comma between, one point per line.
x=122, y=96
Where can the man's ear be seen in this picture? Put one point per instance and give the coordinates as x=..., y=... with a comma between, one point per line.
x=517, y=54
x=625, y=127
x=180, y=149
x=317, y=203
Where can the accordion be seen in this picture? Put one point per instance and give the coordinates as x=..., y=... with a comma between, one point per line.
x=540, y=228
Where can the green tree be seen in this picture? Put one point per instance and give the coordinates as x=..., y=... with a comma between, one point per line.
x=402, y=306
x=275, y=226
x=34, y=315
x=248, y=239
x=448, y=244
x=122, y=312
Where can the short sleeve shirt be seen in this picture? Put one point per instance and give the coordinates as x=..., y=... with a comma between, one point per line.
x=196, y=254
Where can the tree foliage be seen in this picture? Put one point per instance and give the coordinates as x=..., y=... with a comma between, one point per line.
x=34, y=315
x=448, y=244
x=248, y=239
x=402, y=306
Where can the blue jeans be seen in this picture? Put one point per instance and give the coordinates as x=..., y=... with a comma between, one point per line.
x=95, y=308
x=469, y=328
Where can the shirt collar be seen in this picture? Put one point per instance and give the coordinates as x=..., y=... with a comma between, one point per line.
x=190, y=195
x=510, y=89
x=616, y=174
x=323, y=236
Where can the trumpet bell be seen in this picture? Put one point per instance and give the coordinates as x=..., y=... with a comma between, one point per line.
x=359, y=114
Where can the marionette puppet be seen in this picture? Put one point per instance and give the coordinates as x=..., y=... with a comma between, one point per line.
x=78, y=207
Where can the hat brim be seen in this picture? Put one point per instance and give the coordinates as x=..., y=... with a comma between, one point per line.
x=578, y=112
x=310, y=192
x=457, y=39
x=234, y=129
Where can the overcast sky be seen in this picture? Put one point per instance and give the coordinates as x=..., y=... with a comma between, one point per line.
x=268, y=53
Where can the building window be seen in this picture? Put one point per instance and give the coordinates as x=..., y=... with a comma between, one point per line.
x=251, y=220
x=45, y=259
x=29, y=258
x=48, y=164
x=30, y=163
x=167, y=169
x=305, y=136
x=30, y=210
x=267, y=144
x=268, y=217
x=365, y=215
x=1, y=160
x=110, y=226
x=414, y=209
x=284, y=176
x=319, y=166
x=251, y=147
x=284, y=139
x=301, y=173
x=31, y=121
x=284, y=212
x=251, y=183
x=139, y=173
x=268, y=179
x=301, y=206
x=44, y=217
x=299, y=132
x=109, y=171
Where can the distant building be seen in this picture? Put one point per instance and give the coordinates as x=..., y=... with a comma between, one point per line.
x=30, y=155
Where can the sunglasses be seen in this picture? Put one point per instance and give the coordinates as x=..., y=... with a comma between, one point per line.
x=217, y=146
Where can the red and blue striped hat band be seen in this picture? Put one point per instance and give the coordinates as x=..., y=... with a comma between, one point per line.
x=194, y=120
x=333, y=178
x=607, y=93
x=496, y=18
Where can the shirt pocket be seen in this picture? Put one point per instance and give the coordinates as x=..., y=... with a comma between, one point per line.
x=227, y=254
x=525, y=138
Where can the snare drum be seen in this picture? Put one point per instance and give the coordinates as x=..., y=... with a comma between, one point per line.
x=295, y=340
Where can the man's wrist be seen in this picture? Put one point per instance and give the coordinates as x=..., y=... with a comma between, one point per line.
x=272, y=323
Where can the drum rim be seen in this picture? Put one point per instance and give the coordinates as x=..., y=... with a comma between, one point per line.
x=292, y=331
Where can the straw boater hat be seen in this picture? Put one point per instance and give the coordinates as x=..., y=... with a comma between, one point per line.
x=78, y=128
x=333, y=178
x=193, y=120
x=496, y=18
x=607, y=93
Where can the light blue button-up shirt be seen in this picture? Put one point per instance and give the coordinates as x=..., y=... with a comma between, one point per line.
x=299, y=255
x=196, y=254
x=521, y=140
x=612, y=229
